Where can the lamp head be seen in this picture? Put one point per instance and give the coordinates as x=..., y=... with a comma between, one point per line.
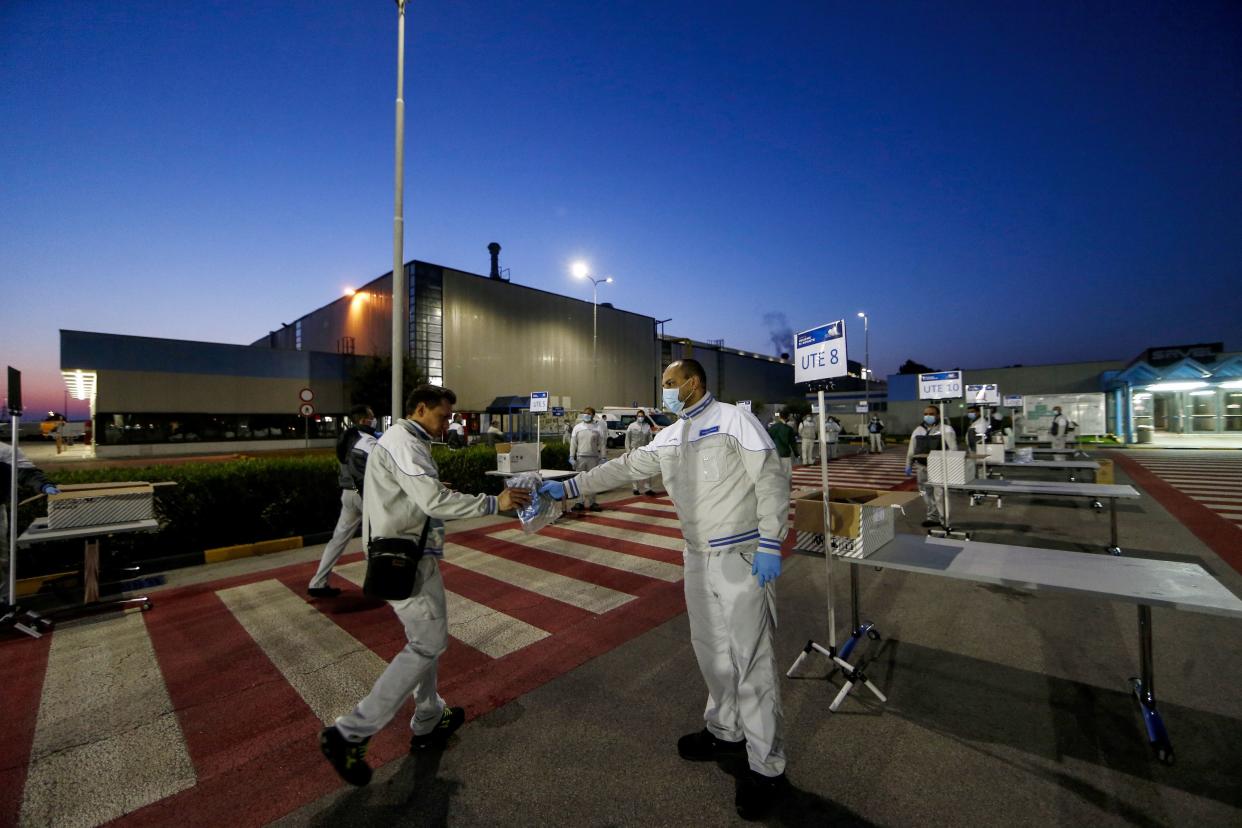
x=609, y=280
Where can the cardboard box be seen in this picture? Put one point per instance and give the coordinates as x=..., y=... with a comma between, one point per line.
x=862, y=519
x=517, y=457
x=1105, y=474
x=100, y=504
x=958, y=467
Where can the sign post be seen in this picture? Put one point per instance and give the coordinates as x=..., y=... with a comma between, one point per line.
x=307, y=411
x=538, y=406
x=941, y=386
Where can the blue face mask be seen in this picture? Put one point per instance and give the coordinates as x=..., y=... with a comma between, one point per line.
x=929, y=419
x=586, y=418
x=672, y=398
x=970, y=415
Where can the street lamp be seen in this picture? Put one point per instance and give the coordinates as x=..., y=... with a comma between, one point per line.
x=867, y=357
x=582, y=271
x=400, y=294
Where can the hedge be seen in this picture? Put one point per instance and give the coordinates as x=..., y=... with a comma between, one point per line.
x=249, y=499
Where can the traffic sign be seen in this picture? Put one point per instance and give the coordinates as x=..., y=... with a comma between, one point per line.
x=820, y=353
x=987, y=394
x=306, y=409
x=538, y=401
x=942, y=385
x=306, y=395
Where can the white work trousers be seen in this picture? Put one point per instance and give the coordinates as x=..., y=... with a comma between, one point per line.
x=1058, y=440
x=832, y=449
x=413, y=670
x=933, y=494
x=346, y=525
x=586, y=463
x=877, y=442
x=808, y=451
x=787, y=467
x=732, y=627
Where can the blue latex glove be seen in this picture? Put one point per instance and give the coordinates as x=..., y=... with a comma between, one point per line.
x=553, y=489
x=49, y=489
x=766, y=567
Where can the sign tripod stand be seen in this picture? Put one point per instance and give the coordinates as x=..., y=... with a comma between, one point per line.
x=808, y=358
x=11, y=615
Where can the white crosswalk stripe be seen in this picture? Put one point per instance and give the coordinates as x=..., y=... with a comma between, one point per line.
x=1213, y=479
x=594, y=554
x=590, y=597
x=634, y=535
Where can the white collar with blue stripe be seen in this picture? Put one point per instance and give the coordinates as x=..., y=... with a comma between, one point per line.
x=419, y=431
x=699, y=407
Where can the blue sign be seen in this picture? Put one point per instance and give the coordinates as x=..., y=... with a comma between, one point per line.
x=820, y=353
x=558, y=411
x=538, y=401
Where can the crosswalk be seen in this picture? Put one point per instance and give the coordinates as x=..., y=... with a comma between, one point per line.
x=217, y=693
x=1213, y=479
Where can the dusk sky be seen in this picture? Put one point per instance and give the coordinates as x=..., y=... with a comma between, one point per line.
x=992, y=183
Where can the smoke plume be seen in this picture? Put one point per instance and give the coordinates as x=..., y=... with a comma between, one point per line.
x=779, y=332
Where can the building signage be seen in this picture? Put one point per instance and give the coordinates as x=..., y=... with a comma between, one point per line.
x=538, y=401
x=860, y=408
x=942, y=385
x=820, y=353
x=1203, y=352
x=987, y=394
x=558, y=411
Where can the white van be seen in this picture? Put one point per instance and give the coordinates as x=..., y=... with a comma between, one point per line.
x=620, y=417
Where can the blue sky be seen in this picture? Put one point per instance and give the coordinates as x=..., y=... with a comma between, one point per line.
x=1042, y=182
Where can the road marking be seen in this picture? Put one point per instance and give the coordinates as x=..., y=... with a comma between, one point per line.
x=674, y=544
x=604, y=557
x=587, y=596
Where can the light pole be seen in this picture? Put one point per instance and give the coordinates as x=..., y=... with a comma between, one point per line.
x=582, y=271
x=867, y=358
x=400, y=293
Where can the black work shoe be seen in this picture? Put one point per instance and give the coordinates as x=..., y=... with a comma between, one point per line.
x=704, y=747
x=649, y=493
x=595, y=507
x=927, y=524
x=348, y=758
x=636, y=491
x=452, y=719
x=758, y=794
x=578, y=507
x=323, y=592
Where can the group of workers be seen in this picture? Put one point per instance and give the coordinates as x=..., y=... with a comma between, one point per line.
x=731, y=493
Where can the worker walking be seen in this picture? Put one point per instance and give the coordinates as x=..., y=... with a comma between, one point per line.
x=353, y=448
x=586, y=451
x=403, y=500
x=809, y=435
x=724, y=476
x=926, y=438
x=637, y=435
x=832, y=432
x=875, y=434
x=784, y=437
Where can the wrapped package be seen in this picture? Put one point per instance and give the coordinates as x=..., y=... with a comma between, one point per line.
x=542, y=509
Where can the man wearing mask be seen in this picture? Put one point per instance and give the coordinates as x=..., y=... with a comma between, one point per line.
x=403, y=494
x=637, y=435
x=586, y=451
x=976, y=428
x=28, y=477
x=1060, y=428
x=875, y=434
x=784, y=437
x=808, y=432
x=925, y=438
x=832, y=433
x=723, y=474
x=352, y=450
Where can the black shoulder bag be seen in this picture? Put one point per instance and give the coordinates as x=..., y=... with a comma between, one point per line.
x=392, y=566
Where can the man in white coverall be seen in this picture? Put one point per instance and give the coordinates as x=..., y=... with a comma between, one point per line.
x=875, y=432
x=586, y=450
x=808, y=432
x=637, y=435
x=723, y=474
x=402, y=492
x=352, y=450
x=832, y=432
x=925, y=438
x=1059, y=430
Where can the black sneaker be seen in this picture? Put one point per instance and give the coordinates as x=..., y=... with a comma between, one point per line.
x=649, y=493
x=928, y=524
x=348, y=758
x=595, y=507
x=704, y=747
x=452, y=719
x=758, y=794
x=578, y=507
x=636, y=491
x=323, y=592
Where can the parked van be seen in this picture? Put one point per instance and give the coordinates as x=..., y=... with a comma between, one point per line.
x=620, y=417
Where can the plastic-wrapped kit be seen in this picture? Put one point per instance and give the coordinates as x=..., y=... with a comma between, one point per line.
x=542, y=509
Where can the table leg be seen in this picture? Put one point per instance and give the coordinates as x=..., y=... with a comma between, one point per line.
x=90, y=572
x=1113, y=547
x=1145, y=691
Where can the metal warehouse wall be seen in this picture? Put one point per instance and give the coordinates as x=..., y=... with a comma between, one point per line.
x=501, y=339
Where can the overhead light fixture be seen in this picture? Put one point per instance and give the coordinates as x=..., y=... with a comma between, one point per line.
x=1177, y=386
x=1207, y=393
x=1236, y=383
x=350, y=291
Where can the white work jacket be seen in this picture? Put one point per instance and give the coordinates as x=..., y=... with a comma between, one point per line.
x=585, y=441
x=637, y=435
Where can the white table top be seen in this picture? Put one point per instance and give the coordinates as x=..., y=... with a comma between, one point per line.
x=38, y=532
x=546, y=474
x=1050, y=464
x=1175, y=584
x=1051, y=488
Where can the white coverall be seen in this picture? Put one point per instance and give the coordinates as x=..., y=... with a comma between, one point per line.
x=586, y=450
x=402, y=491
x=723, y=474
x=980, y=428
x=832, y=429
x=933, y=496
x=637, y=435
x=808, y=432
x=1059, y=433
x=875, y=431
x=351, y=507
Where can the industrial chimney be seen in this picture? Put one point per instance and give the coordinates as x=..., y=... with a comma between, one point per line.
x=494, y=249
